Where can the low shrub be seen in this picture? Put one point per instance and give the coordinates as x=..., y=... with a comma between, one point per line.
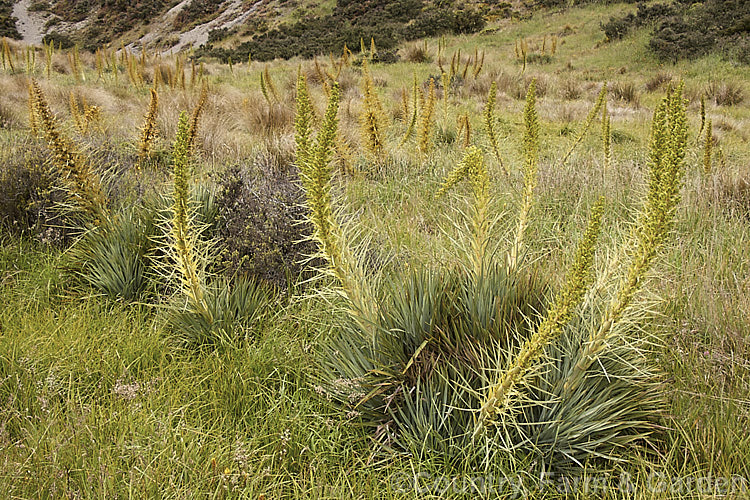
x=7, y=21
x=259, y=225
x=29, y=202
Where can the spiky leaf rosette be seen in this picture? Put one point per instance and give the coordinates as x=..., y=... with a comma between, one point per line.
x=435, y=333
x=232, y=312
x=113, y=259
x=204, y=313
x=449, y=349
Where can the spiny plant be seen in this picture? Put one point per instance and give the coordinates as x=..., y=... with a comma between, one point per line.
x=49, y=54
x=708, y=145
x=489, y=123
x=83, y=115
x=78, y=118
x=601, y=98
x=445, y=84
x=464, y=127
x=196, y=116
x=424, y=132
x=204, y=314
x=81, y=182
x=666, y=169
x=190, y=267
x=372, y=119
x=7, y=56
x=114, y=258
x=313, y=158
x=530, y=166
x=703, y=116
x=33, y=122
x=414, y=113
x=606, y=137
x=267, y=87
x=478, y=64
x=487, y=363
x=149, y=131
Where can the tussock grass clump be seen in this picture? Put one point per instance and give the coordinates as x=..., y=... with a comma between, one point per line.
x=626, y=92
x=658, y=81
x=417, y=53
x=570, y=90
x=485, y=361
x=729, y=93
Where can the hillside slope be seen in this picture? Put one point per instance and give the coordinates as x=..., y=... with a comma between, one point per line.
x=269, y=29
x=163, y=25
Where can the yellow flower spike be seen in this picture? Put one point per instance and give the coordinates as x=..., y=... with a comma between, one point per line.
x=489, y=123
x=531, y=152
x=578, y=280
x=149, y=132
x=666, y=170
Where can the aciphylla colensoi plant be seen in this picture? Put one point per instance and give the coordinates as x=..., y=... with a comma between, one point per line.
x=490, y=363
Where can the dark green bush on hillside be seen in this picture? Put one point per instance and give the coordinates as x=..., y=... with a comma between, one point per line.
x=7, y=21
x=386, y=21
x=107, y=18
x=197, y=12
x=714, y=25
x=618, y=27
x=690, y=28
x=60, y=40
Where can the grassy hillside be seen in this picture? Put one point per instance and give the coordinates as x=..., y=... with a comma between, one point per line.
x=114, y=383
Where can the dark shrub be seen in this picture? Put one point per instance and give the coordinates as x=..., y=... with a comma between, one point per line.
x=61, y=41
x=28, y=199
x=618, y=27
x=674, y=39
x=259, y=225
x=386, y=21
x=7, y=21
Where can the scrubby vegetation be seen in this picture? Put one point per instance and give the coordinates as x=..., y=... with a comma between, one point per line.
x=7, y=21
x=687, y=29
x=387, y=21
x=512, y=263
